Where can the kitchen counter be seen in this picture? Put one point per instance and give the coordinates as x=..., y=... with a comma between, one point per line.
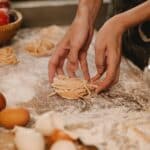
x=116, y=119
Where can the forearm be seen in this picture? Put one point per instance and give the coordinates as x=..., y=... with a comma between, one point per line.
x=88, y=9
x=135, y=15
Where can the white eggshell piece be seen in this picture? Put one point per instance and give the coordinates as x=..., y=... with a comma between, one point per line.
x=63, y=145
x=47, y=122
x=28, y=139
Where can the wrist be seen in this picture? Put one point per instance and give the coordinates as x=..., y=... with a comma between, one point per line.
x=134, y=16
x=83, y=14
x=88, y=9
x=120, y=23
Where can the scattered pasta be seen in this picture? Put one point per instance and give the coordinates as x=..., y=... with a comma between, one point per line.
x=7, y=56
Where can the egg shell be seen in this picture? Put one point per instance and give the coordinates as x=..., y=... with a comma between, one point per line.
x=56, y=136
x=2, y=101
x=48, y=122
x=28, y=139
x=63, y=145
x=11, y=117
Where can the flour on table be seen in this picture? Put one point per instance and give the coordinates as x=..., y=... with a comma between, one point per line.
x=117, y=119
x=19, y=82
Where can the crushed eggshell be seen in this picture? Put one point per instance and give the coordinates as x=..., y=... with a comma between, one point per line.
x=48, y=122
x=28, y=139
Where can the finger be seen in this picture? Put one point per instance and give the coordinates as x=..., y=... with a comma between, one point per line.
x=117, y=77
x=100, y=60
x=53, y=63
x=83, y=57
x=57, y=60
x=115, y=56
x=62, y=56
x=71, y=69
x=99, y=74
x=72, y=64
x=73, y=55
x=105, y=84
x=84, y=66
x=76, y=43
x=110, y=75
x=96, y=77
x=60, y=67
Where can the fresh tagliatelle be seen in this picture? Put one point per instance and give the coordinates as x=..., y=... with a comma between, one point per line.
x=71, y=88
x=7, y=56
x=40, y=47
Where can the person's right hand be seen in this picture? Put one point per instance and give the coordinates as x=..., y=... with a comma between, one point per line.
x=108, y=53
x=73, y=47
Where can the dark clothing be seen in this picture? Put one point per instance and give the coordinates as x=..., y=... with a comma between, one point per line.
x=136, y=41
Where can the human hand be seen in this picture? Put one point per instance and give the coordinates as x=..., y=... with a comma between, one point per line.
x=108, y=53
x=73, y=48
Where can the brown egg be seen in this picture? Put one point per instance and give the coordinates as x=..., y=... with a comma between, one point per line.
x=11, y=117
x=2, y=101
x=56, y=136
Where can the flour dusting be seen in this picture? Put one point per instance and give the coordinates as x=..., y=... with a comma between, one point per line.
x=117, y=119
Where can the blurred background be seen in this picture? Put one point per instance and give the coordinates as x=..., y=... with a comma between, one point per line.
x=47, y=12
x=41, y=13
x=61, y=12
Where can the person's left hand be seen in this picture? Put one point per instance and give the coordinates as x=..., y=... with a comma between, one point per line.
x=73, y=48
x=108, y=54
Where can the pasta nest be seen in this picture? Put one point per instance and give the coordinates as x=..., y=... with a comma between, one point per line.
x=7, y=56
x=71, y=88
x=40, y=47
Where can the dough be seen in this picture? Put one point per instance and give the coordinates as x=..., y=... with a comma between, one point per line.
x=40, y=47
x=71, y=88
x=63, y=145
x=7, y=56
